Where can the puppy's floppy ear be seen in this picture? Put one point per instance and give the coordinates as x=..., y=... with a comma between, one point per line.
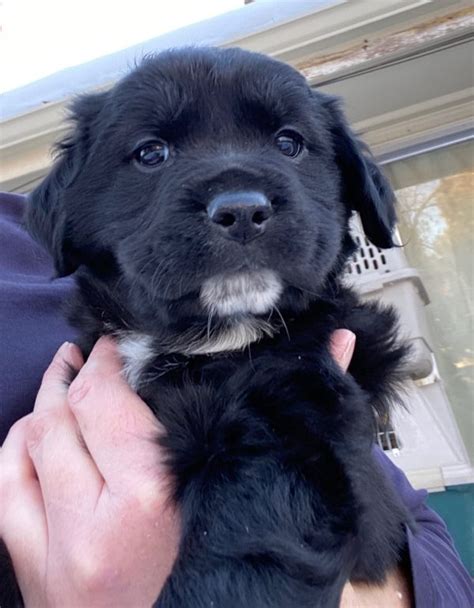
x=364, y=187
x=46, y=216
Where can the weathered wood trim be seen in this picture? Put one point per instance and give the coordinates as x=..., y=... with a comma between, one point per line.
x=395, y=45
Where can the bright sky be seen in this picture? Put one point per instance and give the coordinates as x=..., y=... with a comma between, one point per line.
x=40, y=37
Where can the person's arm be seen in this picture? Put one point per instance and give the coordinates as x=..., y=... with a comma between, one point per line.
x=438, y=576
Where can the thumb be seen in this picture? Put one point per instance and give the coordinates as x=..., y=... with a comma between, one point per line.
x=342, y=347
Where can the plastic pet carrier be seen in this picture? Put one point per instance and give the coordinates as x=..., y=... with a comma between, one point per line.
x=424, y=440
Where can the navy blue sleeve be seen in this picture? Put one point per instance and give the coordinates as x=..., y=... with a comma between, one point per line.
x=438, y=575
x=32, y=324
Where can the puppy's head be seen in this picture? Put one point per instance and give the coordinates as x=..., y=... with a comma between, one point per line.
x=212, y=181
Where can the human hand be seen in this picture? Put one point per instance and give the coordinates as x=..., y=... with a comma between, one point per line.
x=84, y=508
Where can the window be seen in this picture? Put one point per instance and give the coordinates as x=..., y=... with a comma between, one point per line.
x=435, y=192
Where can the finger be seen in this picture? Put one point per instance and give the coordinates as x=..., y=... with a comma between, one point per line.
x=57, y=377
x=119, y=429
x=68, y=477
x=342, y=347
x=22, y=514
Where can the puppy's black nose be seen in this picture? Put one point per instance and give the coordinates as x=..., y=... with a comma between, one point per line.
x=241, y=216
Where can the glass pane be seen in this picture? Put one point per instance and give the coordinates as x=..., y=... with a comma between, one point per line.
x=435, y=193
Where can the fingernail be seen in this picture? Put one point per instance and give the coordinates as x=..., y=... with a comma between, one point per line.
x=63, y=352
x=71, y=354
x=349, y=349
x=339, y=340
x=64, y=348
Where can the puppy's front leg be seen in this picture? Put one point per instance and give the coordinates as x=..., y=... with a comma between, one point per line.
x=256, y=532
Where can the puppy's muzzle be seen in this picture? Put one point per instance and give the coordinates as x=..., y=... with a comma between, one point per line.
x=240, y=216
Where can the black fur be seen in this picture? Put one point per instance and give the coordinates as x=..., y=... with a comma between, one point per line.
x=270, y=448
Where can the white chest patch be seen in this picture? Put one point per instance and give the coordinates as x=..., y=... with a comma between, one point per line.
x=136, y=351
x=245, y=293
x=242, y=293
x=235, y=337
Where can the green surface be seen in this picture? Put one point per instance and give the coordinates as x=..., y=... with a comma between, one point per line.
x=456, y=507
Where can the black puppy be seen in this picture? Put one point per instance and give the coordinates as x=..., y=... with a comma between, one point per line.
x=203, y=204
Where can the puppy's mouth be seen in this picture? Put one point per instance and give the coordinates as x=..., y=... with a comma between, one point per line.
x=241, y=293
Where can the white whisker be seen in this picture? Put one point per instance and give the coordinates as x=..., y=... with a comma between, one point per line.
x=277, y=310
x=209, y=325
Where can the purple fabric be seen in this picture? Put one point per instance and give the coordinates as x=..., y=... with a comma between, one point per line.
x=31, y=324
x=439, y=578
x=32, y=327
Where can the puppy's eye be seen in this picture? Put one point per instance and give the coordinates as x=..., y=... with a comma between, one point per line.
x=289, y=143
x=152, y=154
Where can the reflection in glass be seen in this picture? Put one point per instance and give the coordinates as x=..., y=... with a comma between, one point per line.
x=435, y=192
